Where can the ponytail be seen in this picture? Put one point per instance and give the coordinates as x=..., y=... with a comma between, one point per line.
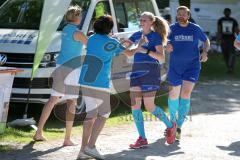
x=161, y=26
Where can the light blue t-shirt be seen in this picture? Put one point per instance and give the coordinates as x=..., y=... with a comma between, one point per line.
x=70, y=48
x=96, y=69
x=185, y=42
x=154, y=40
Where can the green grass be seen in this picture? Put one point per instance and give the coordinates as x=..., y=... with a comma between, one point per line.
x=214, y=69
x=23, y=135
x=6, y=148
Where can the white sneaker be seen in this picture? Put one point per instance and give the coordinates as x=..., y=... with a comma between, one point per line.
x=82, y=155
x=93, y=152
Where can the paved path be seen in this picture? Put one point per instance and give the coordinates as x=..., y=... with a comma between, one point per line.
x=213, y=133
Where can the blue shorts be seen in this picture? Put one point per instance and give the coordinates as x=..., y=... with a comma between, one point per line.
x=189, y=73
x=146, y=75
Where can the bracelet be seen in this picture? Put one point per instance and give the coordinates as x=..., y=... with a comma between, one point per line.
x=148, y=51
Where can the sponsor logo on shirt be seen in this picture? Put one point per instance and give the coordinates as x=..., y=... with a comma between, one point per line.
x=227, y=27
x=184, y=38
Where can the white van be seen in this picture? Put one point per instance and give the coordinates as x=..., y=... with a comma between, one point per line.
x=19, y=24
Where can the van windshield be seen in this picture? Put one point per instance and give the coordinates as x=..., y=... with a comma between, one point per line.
x=26, y=14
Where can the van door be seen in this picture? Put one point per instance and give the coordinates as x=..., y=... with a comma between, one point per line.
x=100, y=8
x=126, y=14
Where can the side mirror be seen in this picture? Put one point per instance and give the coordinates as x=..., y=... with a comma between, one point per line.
x=90, y=33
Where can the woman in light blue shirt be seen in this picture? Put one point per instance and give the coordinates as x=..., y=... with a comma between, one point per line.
x=71, y=47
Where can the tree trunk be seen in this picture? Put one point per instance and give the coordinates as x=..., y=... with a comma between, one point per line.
x=186, y=3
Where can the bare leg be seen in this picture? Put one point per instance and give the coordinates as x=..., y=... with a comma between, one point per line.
x=187, y=89
x=87, y=130
x=148, y=99
x=47, y=109
x=174, y=92
x=136, y=98
x=97, y=128
x=70, y=114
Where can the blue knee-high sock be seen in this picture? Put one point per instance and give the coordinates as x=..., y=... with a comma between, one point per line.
x=173, y=105
x=159, y=113
x=183, y=110
x=139, y=122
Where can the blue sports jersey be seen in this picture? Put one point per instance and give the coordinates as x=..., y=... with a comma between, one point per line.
x=96, y=69
x=70, y=48
x=185, y=42
x=154, y=40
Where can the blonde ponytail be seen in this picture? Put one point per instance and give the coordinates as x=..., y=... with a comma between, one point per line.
x=161, y=26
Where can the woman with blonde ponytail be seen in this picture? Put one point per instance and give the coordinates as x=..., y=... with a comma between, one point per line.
x=145, y=77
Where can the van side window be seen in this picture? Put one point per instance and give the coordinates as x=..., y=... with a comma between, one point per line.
x=84, y=4
x=102, y=8
x=128, y=11
x=21, y=14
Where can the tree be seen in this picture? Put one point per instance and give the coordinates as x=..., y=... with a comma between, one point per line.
x=186, y=3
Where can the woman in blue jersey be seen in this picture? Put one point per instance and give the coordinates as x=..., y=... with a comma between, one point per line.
x=184, y=67
x=146, y=77
x=95, y=83
x=71, y=47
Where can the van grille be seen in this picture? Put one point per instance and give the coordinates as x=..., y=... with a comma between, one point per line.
x=25, y=60
x=16, y=57
x=36, y=83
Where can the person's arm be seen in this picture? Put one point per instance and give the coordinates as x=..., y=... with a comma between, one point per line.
x=158, y=54
x=79, y=36
x=236, y=29
x=132, y=39
x=129, y=52
x=169, y=48
x=126, y=43
x=204, y=55
x=219, y=32
x=123, y=49
x=237, y=42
